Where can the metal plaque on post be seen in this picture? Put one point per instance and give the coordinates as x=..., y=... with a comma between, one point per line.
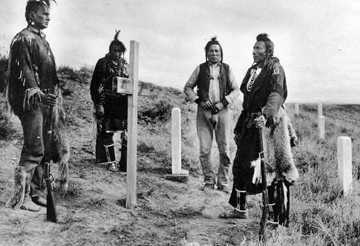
x=123, y=85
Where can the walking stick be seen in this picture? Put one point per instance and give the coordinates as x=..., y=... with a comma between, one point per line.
x=50, y=201
x=265, y=196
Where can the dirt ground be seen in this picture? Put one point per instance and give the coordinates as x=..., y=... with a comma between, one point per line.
x=93, y=213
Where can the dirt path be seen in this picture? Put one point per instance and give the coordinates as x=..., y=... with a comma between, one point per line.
x=93, y=213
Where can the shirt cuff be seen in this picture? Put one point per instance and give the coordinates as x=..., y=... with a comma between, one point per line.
x=228, y=100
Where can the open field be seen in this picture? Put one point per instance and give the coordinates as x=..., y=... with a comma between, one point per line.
x=170, y=213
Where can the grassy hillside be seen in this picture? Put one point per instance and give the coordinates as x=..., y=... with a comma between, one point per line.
x=170, y=213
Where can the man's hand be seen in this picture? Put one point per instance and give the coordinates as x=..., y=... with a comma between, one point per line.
x=35, y=100
x=272, y=121
x=49, y=99
x=207, y=105
x=218, y=107
x=293, y=141
x=260, y=121
x=99, y=111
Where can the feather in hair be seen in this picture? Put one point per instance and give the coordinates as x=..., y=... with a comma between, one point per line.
x=117, y=32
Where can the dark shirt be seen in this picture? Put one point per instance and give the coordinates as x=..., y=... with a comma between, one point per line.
x=105, y=70
x=31, y=65
x=270, y=81
x=267, y=94
x=115, y=105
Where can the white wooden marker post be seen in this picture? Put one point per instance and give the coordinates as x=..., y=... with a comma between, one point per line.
x=132, y=126
x=320, y=109
x=175, y=141
x=321, y=127
x=177, y=173
x=344, y=156
x=297, y=111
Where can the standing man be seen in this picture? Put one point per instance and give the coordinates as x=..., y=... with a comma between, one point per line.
x=264, y=89
x=110, y=107
x=31, y=93
x=216, y=89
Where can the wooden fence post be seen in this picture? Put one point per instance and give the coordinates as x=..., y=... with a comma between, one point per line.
x=344, y=157
x=132, y=126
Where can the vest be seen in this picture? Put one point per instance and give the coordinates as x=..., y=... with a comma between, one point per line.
x=203, y=81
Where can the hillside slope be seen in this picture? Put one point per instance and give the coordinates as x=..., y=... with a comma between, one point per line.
x=170, y=213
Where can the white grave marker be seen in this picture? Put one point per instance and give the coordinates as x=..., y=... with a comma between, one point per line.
x=297, y=111
x=322, y=127
x=344, y=157
x=320, y=109
x=176, y=142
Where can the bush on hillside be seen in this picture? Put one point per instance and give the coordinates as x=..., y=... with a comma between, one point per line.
x=7, y=129
x=83, y=75
x=155, y=112
x=3, y=68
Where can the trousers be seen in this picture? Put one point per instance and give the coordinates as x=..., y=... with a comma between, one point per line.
x=33, y=148
x=207, y=125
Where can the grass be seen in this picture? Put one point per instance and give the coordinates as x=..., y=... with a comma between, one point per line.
x=7, y=130
x=320, y=214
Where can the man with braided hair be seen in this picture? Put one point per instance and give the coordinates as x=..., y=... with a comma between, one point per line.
x=110, y=107
x=32, y=73
x=216, y=89
x=264, y=88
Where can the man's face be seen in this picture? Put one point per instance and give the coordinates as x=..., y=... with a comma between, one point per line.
x=41, y=17
x=115, y=52
x=214, y=53
x=259, y=51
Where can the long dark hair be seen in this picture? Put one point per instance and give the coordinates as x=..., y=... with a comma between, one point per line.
x=269, y=45
x=34, y=5
x=117, y=42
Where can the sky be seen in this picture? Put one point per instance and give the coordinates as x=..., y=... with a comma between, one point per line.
x=316, y=41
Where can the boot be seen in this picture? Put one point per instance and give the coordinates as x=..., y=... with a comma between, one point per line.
x=123, y=157
x=21, y=198
x=113, y=167
x=240, y=211
x=41, y=201
x=241, y=207
x=19, y=189
x=28, y=204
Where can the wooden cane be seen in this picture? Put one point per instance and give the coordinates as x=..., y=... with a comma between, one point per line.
x=265, y=196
